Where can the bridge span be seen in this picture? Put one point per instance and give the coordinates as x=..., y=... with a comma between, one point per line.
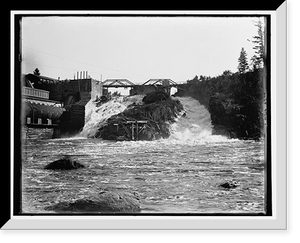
x=125, y=83
x=136, y=89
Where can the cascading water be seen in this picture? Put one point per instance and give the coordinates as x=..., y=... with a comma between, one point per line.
x=195, y=120
x=96, y=116
x=192, y=125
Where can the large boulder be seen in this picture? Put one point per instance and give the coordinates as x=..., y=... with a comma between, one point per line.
x=103, y=202
x=152, y=119
x=229, y=184
x=155, y=96
x=66, y=163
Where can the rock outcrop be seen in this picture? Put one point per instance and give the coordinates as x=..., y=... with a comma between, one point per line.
x=225, y=116
x=103, y=202
x=147, y=121
x=229, y=184
x=154, y=97
x=232, y=119
x=66, y=163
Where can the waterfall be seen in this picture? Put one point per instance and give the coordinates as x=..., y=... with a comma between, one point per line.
x=194, y=124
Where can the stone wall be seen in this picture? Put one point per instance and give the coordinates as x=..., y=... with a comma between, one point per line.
x=97, y=89
x=36, y=133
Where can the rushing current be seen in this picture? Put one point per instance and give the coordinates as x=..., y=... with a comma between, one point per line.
x=180, y=174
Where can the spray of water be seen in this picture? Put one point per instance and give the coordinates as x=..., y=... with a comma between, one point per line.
x=193, y=126
x=96, y=116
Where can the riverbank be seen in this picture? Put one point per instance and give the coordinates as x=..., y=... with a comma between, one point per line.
x=236, y=102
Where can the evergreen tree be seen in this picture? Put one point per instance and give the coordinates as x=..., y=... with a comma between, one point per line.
x=258, y=60
x=243, y=62
x=227, y=73
x=36, y=72
x=195, y=79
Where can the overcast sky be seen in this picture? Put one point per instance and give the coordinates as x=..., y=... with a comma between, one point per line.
x=135, y=48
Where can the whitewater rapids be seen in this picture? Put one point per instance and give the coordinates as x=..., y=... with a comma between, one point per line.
x=180, y=174
x=193, y=125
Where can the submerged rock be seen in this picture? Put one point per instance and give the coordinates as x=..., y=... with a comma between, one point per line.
x=102, y=202
x=229, y=184
x=66, y=163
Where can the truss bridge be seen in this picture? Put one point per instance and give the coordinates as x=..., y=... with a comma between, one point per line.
x=117, y=83
x=125, y=83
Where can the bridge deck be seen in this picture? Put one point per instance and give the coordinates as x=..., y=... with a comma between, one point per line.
x=132, y=86
x=125, y=83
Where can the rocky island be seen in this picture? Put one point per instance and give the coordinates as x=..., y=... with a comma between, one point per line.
x=146, y=121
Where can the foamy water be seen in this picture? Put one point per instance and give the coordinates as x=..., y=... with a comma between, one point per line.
x=95, y=117
x=180, y=174
x=193, y=127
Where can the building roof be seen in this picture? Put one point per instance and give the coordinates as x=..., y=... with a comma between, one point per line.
x=39, y=78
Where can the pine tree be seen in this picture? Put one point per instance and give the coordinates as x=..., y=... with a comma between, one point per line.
x=258, y=60
x=243, y=62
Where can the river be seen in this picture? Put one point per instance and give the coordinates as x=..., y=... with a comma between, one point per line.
x=180, y=174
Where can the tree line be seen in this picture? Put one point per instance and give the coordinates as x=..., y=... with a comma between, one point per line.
x=244, y=87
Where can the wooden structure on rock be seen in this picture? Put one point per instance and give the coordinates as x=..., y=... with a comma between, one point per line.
x=132, y=128
x=147, y=121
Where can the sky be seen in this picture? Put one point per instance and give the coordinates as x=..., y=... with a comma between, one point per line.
x=135, y=48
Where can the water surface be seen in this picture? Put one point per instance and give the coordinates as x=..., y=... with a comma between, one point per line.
x=180, y=174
